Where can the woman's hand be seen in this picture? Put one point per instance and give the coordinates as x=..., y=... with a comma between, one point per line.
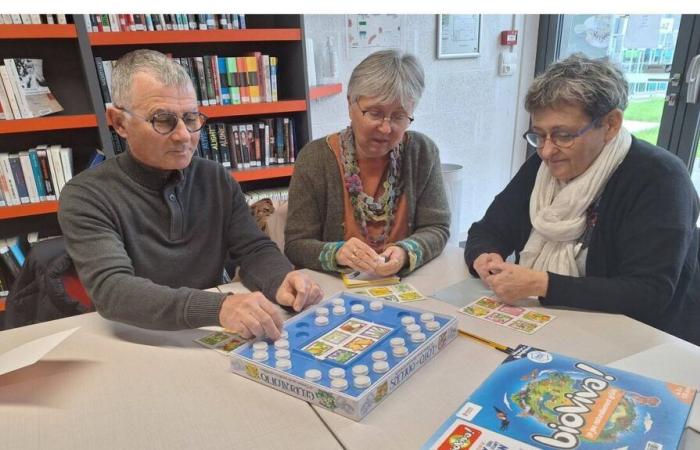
x=392, y=260
x=358, y=256
x=511, y=282
x=484, y=264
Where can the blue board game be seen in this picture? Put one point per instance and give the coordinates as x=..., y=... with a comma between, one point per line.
x=542, y=400
x=347, y=353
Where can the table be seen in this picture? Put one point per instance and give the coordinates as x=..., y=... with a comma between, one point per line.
x=111, y=385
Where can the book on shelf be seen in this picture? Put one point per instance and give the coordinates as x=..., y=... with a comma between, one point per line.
x=537, y=399
x=362, y=279
x=34, y=175
x=8, y=258
x=29, y=88
x=103, y=23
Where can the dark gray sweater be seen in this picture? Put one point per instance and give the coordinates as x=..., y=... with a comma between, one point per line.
x=145, y=242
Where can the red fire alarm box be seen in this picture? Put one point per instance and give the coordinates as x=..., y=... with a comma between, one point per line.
x=509, y=37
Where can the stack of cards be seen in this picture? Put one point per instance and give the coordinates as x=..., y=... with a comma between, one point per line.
x=221, y=341
x=398, y=293
x=518, y=318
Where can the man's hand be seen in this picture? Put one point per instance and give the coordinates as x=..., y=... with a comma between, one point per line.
x=512, y=282
x=393, y=259
x=298, y=291
x=357, y=255
x=485, y=263
x=251, y=315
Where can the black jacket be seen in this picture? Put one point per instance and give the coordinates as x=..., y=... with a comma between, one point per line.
x=643, y=255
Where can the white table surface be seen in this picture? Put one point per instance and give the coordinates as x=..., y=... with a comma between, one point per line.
x=115, y=386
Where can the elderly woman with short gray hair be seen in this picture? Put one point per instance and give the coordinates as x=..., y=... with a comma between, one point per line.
x=597, y=218
x=370, y=198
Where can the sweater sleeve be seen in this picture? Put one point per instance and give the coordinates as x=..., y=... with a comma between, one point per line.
x=506, y=220
x=262, y=265
x=649, y=247
x=303, y=233
x=432, y=214
x=96, y=247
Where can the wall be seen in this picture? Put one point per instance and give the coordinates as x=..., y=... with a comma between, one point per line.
x=474, y=115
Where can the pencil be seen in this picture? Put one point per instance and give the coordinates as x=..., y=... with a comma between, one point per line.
x=496, y=345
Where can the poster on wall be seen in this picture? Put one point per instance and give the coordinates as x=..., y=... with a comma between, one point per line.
x=585, y=33
x=373, y=31
x=459, y=35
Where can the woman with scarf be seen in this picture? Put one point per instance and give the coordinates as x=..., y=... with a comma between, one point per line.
x=370, y=198
x=597, y=218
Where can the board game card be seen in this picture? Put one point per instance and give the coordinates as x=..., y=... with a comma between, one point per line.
x=518, y=318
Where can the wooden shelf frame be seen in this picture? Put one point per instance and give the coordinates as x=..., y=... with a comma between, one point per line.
x=36, y=31
x=194, y=36
x=28, y=209
x=254, y=109
x=48, y=123
x=263, y=173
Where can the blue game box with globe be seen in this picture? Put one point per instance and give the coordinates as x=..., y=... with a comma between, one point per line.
x=541, y=400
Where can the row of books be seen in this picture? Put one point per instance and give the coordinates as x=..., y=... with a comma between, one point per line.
x=24, y=92
x=13, y=253
x=218, y=80
x=242, y=146
x=35, y=175
x=278, y=195
x=163, y=22
x=35, y=19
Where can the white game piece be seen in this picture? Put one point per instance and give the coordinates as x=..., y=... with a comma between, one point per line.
x=362, y=382
x=339, y=384
x=282, y=354
x=399, y=351
x=260, y=355
x=360, y=369
x=260, y=346
x=397, y=342
x=380, y=366
x=282, y=344
x=427, y=317
x=321, y=321
x=283, y=364
x=357, y=309
x=338, y=302
x=321, y=311
x=376, y=305
x=284, y=334
x=379, y=355
x=412, y=328
x=338, y=310
x=336, y=372
x=312, y=375
x=407, y=320
x=417, y=337
x=433, y=325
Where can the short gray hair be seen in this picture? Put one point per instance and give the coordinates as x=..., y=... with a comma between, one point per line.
x=389, y=75
x=596, y=86
x=161, y=67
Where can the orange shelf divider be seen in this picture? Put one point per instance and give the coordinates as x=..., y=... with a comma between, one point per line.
x=251, y=109
x=38, y=31
x=325, y=90
x=263, y=173
x=171, y=37
x=28, y=209
x=48, y=123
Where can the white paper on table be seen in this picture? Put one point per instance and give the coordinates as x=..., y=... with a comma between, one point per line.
x=677, y=363
x=31, y=352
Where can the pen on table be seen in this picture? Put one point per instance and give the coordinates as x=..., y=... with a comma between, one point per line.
x=495, y=345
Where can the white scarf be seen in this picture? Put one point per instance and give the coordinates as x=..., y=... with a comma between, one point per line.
x=558, y=209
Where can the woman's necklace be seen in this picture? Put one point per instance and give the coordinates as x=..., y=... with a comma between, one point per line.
x=365, y=207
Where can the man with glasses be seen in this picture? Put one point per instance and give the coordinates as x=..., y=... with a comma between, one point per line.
x=597, y=219
x=150, y=229
x=370, y=198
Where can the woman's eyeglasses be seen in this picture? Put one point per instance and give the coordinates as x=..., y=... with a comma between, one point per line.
x=165, y=122
x=561, y=139
x=376, y=117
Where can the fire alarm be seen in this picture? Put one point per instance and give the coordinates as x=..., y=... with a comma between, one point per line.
x=509, y=37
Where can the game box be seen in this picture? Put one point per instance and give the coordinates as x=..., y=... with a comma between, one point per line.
x=348, y=353
x=541, y=400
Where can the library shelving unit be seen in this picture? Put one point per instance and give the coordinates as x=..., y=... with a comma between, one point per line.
x=276, y=35
x=76, y=126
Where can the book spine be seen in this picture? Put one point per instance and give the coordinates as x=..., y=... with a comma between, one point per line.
x=279, y=140
x=223, y=81
x=9, y=177
x=273, y=77
x=102, y=78
x=55, y=158
x=241, y=70
x=201, y=80
x=234, y=90
x=266, y=77
x=245, y=149
x=46, y=174
x=4, y=188
x=215, y=78
x=29, y=177
x=213, y=142
x=16, y=88
x=21, y=183
x=224, y=150
x=253, y=85
x=61, y=19
x=66, y=156
x=38, y=178
x=5, y=103
x=208, y=82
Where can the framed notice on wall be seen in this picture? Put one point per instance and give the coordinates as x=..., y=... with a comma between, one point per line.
x=459, y=35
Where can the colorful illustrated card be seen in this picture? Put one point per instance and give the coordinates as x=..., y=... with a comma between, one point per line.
x=347, y=341
x=398, y=293
x=222, y=341
x=525, y=320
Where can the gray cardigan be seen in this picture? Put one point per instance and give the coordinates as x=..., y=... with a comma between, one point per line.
x=315, y=217
x=146, y=242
